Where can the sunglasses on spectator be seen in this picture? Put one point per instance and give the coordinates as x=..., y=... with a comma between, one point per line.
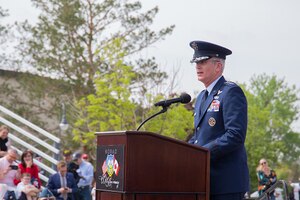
x=263, y=163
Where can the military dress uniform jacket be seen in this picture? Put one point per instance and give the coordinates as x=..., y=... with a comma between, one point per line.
x=220, y=125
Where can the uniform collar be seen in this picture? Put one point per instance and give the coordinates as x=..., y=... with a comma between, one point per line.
x=212, y=85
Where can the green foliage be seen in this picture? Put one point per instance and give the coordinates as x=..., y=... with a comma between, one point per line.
x=271, y=111
x=110, y=107
x=177, y=123
x=71, y=35
x=81, y=42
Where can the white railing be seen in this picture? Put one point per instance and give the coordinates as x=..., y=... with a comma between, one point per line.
x=35, y=140
x=29, y=124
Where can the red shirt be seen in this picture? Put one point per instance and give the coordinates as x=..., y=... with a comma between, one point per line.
x=33, y=170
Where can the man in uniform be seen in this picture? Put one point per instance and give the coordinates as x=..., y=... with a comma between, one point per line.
x=220, y=121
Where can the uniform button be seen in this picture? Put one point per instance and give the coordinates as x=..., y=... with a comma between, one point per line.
x=198, y=128
x=196, y=141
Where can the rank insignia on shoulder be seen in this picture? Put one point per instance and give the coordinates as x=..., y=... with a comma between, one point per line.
x=229, y=83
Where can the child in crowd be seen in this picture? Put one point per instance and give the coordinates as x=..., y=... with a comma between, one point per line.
x=25, y=190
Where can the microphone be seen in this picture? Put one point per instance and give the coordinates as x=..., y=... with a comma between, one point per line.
x=184, y=98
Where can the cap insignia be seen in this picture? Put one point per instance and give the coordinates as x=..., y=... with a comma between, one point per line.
x=194, y=46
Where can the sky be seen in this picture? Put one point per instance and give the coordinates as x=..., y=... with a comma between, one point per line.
x=264, y=36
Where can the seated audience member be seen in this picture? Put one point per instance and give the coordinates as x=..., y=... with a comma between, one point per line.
x=266, y=177
x=27, y=166
x=25, y=190
x=3, y=190
x=4, y=141
x=40, y=159
x=9, y=170
x=62, y=184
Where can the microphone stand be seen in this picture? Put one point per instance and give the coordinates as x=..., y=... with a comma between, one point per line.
x=164, y=109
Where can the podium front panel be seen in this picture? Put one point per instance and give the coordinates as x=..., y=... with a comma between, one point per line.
x=156, y=165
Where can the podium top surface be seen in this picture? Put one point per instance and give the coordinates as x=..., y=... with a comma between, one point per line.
x=147, y=133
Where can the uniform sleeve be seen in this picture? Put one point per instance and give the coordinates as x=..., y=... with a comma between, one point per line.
x=235, y=124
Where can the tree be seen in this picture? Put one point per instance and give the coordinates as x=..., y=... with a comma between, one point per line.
x=71, y=39
x=177, y=122
x=271, y=110
x=4, y=30
x=70, y=36
x=110, y=108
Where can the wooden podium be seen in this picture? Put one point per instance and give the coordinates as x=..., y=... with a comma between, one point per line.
x=137, y=165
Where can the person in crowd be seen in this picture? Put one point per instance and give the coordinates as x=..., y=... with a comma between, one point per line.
x=266, y=177
x=295, y=188
x=27, y=166
x=220, y=122
x=3, y=190
x=9, y=171
x=40, y=159
x=85, y=157
x=93, y=191
x=86, y=172
x=62, y=184
x=67, y=156
x=278, y=193
x=4, y=141
x=71, y=165
x=25, y=190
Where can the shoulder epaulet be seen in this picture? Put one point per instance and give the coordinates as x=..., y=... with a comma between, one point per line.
x=230, y=83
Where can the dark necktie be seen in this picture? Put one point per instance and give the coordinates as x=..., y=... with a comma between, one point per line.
x=204, y=97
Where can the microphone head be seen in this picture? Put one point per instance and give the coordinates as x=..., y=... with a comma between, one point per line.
x=185, y=98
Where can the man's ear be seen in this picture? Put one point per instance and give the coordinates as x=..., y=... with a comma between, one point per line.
x=219, y=67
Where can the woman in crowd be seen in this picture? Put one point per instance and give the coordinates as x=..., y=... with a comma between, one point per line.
x=27, y=166
x=4, y=141
x=266, y=177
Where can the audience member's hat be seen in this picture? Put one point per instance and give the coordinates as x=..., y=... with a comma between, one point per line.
x=67, y=152
x=76, y=156
x=205, y=50
x=84, y=156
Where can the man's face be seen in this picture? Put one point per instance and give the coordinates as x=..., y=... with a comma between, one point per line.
x=67, y=158
x=62, y=170
x=11, y=157
x=208, y=70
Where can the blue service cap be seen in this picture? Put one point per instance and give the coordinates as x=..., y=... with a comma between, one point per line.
x=205, y=50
